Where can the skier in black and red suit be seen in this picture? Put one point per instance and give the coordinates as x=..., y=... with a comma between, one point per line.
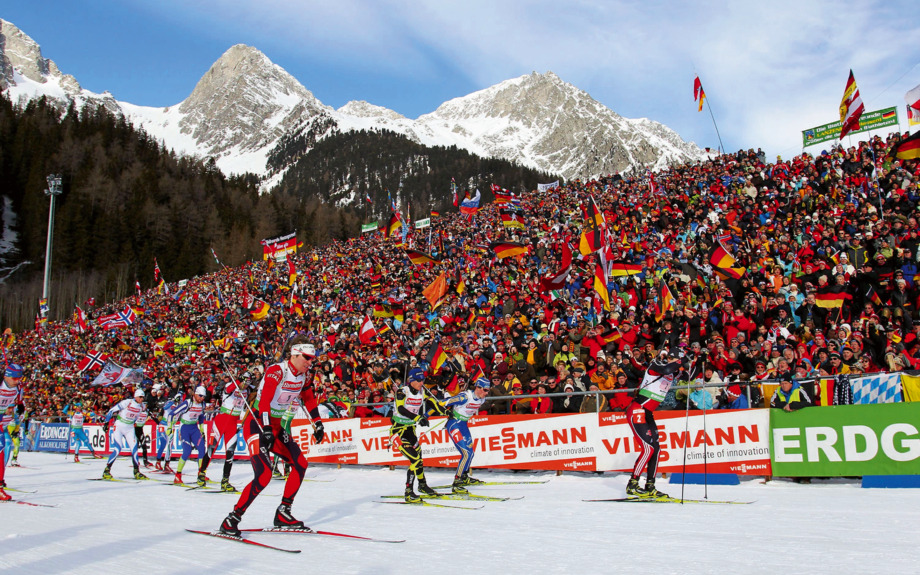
x=281, y=384
x=658, y=379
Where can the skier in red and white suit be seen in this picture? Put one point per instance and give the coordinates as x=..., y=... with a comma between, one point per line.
x=281, y=384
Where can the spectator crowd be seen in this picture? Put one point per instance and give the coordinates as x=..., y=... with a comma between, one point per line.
x=827, y=246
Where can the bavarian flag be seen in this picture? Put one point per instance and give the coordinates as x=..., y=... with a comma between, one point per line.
x=724, y=263
x=508, y=249
x=907, y=149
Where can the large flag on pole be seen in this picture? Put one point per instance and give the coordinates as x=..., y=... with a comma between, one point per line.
x=367, y=333
x=114, y=373
x=851, y=107
x=912, y=97
x=601, y=273
x=667, y=302
x=698, y=94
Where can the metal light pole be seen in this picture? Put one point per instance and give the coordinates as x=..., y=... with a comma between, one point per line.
x=54, y=189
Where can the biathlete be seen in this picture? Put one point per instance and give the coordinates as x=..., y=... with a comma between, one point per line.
x=282, y=383
x=10, y=404
x=78, y=437
x=226, y=427
x=190, y=414
x=125, y=412
x=412, y=406
x=460, y=408
x=640, y=414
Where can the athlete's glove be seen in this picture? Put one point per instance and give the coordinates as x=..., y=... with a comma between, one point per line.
x=266, y=437
x=422, y=420
x=105, y=427
x=318, y=432
x=285, y=436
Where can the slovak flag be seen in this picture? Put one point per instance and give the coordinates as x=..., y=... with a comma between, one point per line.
x=368, y=333
x=93, y=359
x=118, y=319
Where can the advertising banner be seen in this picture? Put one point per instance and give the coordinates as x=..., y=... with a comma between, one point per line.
x=52, y=437
x=425, y=223
x=279, y=247
x=868, y=121
x=371, y=227
x=735, y=442
x=846, y=440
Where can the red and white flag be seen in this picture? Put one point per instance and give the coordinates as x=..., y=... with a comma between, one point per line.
x=367, y=333
x=698, y=94
x=79, y=317
x=912, y=97
x=851, y=108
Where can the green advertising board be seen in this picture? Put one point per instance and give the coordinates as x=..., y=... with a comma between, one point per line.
x=868, y=121
x=371, y=227
x=846, y=440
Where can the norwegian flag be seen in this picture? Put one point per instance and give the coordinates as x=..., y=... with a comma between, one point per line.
x=93, y=360
x=119, y=319
x=79, y=316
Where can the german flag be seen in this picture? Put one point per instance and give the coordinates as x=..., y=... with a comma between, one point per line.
x=601, y=272
x=420, y=258
x=437, y=358
x=593, y=235
x=459, y=282
x=612, y=335
x=667, y=302
x=872, y=296
x=620, y=269
x=504, y=197
x=399, y=312
x=259, y=310
x=724, y=264
x=831, y=298
x=381, y=310
x=435, y=214
x=512, y=219
x=393, y=225
x=292, y=270
x=508, y=249
x=908, y=149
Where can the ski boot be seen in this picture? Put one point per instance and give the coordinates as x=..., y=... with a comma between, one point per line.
x=4, y=496
x=107, y=473
x=177, y=480
x=225, y=486
x=139, y=475
x=14, y=463
x=76, y=459
x=411, y=496
x=167, y=468
x=230, y=524
x=97, y=456
x=202, y=479
x=285, y=520
x=632, y=487
x=649, y=491
x=458, y=486
x=425, y=490
x=158, y=465
x=147, y=464
x=470, y=480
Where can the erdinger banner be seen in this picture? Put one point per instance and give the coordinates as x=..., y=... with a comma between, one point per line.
x=279, y=247
x=735, y=442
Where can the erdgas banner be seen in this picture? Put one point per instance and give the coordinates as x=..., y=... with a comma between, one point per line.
x=846, y=440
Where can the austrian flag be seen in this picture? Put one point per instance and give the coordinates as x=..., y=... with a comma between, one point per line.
x=367, y=334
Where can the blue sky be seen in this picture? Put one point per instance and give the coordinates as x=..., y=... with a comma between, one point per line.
x=770, y=69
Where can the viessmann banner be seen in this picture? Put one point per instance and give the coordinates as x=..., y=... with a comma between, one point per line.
x=847, y=440
x=731, y=442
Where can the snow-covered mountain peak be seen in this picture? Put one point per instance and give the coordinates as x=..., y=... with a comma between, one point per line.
x=362, y=109
x=20, y=54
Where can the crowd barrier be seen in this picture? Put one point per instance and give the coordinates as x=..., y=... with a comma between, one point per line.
x=837, y=441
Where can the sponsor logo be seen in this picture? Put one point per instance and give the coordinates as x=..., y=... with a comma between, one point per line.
x=48, y=432
x=745, y=467
x=577, y=464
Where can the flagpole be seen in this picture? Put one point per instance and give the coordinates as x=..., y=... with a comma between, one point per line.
x=708, y=107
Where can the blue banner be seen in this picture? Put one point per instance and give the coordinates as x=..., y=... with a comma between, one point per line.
x=52, y=437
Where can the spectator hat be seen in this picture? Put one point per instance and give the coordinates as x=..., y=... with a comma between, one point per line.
x=200, y=390
x=13, y=370
x=139, y=393
x=733, y=390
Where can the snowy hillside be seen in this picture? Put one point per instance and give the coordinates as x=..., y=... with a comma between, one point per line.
x=244, y=105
